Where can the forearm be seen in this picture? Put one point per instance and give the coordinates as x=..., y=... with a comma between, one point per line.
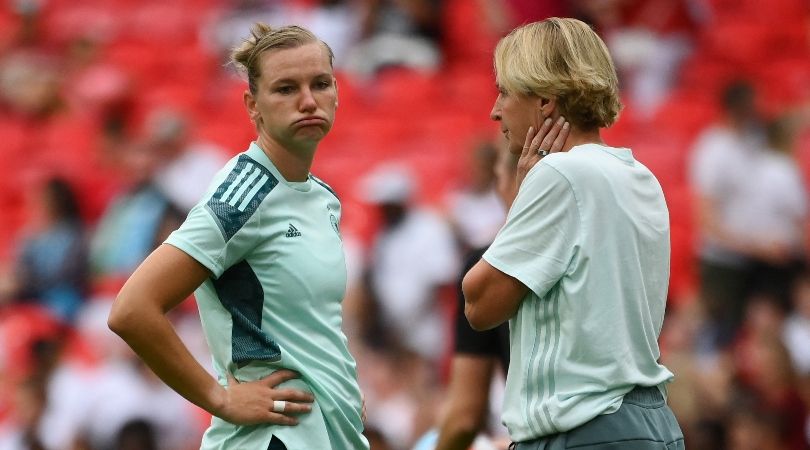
x=166, y=278
x=153, y=338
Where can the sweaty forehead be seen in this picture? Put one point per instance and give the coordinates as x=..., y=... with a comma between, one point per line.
x=304, y=62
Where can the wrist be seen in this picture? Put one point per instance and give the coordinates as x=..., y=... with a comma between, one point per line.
x=217, y=400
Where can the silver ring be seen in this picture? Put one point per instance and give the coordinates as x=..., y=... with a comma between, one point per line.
x=542, y=152
x=279, y=406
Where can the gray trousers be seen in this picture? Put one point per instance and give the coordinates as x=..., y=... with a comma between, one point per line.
x=643, y=422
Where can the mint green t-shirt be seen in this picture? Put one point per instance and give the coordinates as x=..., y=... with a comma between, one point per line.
x=588, y=234
x=274, y=298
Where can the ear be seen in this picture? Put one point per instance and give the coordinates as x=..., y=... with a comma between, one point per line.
x=547, y=106
x=337, y=93
x=250, y=105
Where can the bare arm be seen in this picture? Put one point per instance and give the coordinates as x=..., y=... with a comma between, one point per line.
x=469, y=400
x=166, y=278
x=491, y=297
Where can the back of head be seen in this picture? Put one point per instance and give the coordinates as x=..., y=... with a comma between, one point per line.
x=265, y=38
x=565, y=59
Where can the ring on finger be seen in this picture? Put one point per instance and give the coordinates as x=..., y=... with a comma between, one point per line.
x=542, y=152
x=279, y=406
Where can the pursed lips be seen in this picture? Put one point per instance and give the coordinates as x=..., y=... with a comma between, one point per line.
x=310, y=121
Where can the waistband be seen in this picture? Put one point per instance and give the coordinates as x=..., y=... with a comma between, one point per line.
x=645, y=396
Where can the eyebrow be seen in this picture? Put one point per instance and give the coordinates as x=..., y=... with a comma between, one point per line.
x=293, y=80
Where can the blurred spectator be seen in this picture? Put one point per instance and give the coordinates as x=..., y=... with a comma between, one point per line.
x=649, y=39
x=397, y=33
x=781, y=203
x=124, y=390
x=391, y=383
x=765, y=374
x=749, y=429
x=724, y=158
x=336, y=22
x=52, y=265
x=796, y=333
x=22, y=432
x=186, y=167
x=413, y=258
x=699, y=393
x=61, y=402
x=137, y=434
x=476, y=213
x=376, y=439
x=30, y=85
x=95, y=88
x=136, y=221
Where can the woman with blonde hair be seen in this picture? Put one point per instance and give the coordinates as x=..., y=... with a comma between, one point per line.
x=581, y=266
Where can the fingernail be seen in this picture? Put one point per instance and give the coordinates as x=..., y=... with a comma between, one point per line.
x=531, y=129
x=561, y=119
x=547, y=121
x=565, y=126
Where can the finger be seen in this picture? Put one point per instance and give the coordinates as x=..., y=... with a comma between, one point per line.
x=545, y=127
x=293, y=395
x=527, y=144
x=559, y=142
x=280, y=376
x=294, y=408
x=281, y=419
x=549, y=138
x=540, y=136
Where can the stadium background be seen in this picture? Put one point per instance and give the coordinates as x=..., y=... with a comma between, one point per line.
x=79, y=80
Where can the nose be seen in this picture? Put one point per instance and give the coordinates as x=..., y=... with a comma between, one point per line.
x=495, y=114
x=307, y=101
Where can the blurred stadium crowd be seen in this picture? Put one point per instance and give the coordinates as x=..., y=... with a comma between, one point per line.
x=114, y=115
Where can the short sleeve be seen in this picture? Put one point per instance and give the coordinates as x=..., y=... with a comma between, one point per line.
x=223, y=228
x=537, y=243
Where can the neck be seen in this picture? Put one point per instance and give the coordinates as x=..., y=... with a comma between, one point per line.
x=580, y=137
x=294, y=165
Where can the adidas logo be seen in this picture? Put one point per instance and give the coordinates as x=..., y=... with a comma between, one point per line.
x=293, y=232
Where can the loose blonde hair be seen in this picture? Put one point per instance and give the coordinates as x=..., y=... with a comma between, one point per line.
x=265, y=38
x=566, y=59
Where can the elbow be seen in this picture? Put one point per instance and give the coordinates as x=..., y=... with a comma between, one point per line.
x=474, y=317
x=121, y=316
x=471, y=301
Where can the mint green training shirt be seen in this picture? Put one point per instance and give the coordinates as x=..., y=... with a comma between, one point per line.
x=588, y=234
x=274, y=298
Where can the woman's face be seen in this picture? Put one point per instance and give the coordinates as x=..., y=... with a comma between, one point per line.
x=516, y=113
